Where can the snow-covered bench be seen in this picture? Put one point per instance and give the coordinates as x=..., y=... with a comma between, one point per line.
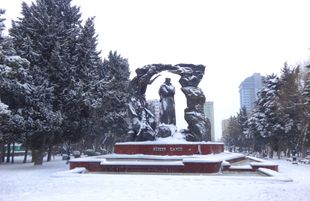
x=305, y=161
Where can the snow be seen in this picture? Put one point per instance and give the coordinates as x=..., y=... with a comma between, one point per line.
x=161, y=163
x=4, y=109
x=193, y=158
x=54, y=181
x=244, y=167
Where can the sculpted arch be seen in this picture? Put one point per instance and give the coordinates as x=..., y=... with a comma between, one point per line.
x=142, y=124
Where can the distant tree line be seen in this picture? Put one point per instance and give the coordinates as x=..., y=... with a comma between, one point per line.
x=281, y=118
x=54, y=87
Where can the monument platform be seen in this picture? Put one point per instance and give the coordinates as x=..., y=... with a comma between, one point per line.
x=159, y=157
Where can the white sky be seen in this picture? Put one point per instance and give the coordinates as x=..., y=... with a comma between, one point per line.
x=234, y=39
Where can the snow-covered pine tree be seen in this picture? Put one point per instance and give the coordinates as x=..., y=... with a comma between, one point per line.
x=237, y=131
x=15, y=87
x=114, y=73
x=2, y=25
x=292, y=105
x=306, y=92
x=242, y=118
x=253, y=131
x=88, y=64
x=305, y=139
x=48, y=35
x=270, y=119
x=232, y=138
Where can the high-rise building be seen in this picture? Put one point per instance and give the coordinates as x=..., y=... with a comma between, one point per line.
x=248, y=91
x=225, y=124
x=209, y=113
x=154, y=107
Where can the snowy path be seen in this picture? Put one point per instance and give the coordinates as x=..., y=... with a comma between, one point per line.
x=28, y=182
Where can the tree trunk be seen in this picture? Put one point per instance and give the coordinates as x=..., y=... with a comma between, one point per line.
x=34, y=155
x=39, y=157
x=13, y=152
x=289, y=153
x=49, y=153
x=50, y=148
x=1, y=150
x=8, y=154
x=271, y=153
x=26, y=153
x=303, y=149
x=97, y=144
x=3, y=153
x=279, y=150
x=40, y=152
x=261, y=153
x=253, y=146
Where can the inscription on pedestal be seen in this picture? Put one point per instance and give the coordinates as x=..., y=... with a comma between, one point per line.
x=159, y=148
x=169, y=149
x=176, y=149
x=164, y=149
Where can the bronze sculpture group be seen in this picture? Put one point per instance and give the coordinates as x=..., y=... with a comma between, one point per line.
x=143, y=126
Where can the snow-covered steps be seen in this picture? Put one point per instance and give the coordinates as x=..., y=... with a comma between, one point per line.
x=251, y=164
x=149, y=163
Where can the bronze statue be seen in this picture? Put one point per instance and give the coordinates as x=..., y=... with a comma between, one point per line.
x=142, y=125
x=167, y=106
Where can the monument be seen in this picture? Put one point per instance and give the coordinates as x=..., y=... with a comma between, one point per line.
x=142, y=125
x=151, y=147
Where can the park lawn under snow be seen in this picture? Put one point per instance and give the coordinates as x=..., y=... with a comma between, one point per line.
x=20, y=181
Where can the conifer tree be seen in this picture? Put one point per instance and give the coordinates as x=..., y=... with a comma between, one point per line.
x=115, y=74
x=306, y=92
x=305, y=139
x=242, y=118
x=50, y=36
x=15, y=88
x=292, y=105
x=232, y=138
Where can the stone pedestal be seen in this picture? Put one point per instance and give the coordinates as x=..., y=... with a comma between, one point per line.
x=199, y=148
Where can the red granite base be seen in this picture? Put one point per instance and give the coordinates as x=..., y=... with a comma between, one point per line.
x=184, y=167
x=169, y=149
x=187, y=167
x=164, y=158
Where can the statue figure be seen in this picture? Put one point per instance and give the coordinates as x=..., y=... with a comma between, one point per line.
x=142, y=126
x=142, y=123
x=167, y=106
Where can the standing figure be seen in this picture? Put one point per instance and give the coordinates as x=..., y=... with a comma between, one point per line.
x=167, y=106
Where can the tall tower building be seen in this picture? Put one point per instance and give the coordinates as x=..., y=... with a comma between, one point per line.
x=248, y=91
x=225, y=124
x=209, y=113
x=153, y=106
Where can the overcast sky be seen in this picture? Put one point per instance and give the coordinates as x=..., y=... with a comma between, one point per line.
x=233, y=39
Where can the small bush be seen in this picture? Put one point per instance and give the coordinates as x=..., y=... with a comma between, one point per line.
x=90, y=152
x=76, y=154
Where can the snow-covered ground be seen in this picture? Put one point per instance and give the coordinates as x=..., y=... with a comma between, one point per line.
x=21, y=182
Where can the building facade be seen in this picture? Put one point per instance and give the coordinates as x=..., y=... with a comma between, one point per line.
x=154, y=107
x=248, y=91
x=225, y=124
x=209, y=113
